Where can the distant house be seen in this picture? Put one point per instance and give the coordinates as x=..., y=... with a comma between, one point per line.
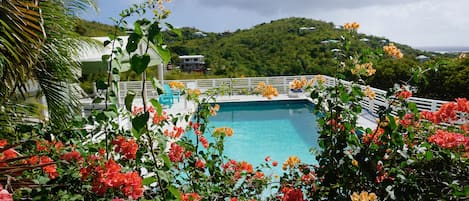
x=191, y=63
x=307, y=29
x=422, y=58
x=200, y=34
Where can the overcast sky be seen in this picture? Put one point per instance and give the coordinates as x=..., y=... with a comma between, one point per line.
x=413, y=22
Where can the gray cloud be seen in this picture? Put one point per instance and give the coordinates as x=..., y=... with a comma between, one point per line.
x=269, y=7
x=412, y=22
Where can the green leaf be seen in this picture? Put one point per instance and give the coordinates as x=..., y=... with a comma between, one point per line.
x=392, y=123
x=106, y=42
x=110, y=114
x=42, y=180
x=178, y=32
x=138, y=28
x=139, y=122
x=149, y=180
x=157, y=106
x=175, y=192
x=139, y=63
x=413, y=107
x=101, y=85
x=154, y=33
x=132, y=42
x=156, y=85
x=105, y=58
x=97, y=100
x=429, y=155
x=129, y=98
x=164, y=53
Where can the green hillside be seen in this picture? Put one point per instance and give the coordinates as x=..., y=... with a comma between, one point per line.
x=91, y=29
x=282, y=48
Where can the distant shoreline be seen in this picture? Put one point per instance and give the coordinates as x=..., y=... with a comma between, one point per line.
x=444, y=49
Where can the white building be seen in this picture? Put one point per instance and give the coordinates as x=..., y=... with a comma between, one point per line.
x=192, y=63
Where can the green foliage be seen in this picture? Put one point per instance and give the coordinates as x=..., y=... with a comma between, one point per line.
x=281, y=48
x=94, y=29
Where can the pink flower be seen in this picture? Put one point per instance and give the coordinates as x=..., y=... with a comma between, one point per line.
x=5, y=195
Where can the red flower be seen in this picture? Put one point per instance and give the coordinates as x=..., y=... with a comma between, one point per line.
x=259, y=175
x=7, y=154
x=3, y=142
x=463, y=105
x=42, y=146
x=175, y=133
x=127, y=147
x=51, y=169
x=234, y=199
x=157, y=119
x=190, y=197
x=267, y=159
x=187, y=154
x=290, y=194
x=274, y=163
x=200, y=164
x=204, y=141
x=406, y=120
x=133, y=187
x=404, y=94
x=449, y=140
x=72, y=156
x=175, y=153
x=110, y=176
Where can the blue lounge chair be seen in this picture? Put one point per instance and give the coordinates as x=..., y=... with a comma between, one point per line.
x=167, y=97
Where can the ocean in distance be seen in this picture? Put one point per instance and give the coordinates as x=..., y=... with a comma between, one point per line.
x=444, y=49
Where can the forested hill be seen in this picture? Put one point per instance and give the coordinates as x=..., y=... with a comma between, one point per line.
x=295, y=46
x=283, y=47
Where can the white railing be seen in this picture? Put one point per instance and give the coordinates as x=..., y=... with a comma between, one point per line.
x=248, y=84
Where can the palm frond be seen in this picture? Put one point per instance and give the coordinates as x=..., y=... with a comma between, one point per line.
x=21, y=36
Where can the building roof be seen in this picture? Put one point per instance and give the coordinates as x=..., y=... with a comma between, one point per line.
x=90, y=55
x=190, y=56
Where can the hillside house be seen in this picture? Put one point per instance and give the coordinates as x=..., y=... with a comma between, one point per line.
x=190, y=63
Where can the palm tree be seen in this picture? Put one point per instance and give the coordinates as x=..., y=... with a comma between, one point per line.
x=21, y=37
x=38, y=47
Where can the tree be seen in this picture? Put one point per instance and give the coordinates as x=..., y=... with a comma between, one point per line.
x=39, y=46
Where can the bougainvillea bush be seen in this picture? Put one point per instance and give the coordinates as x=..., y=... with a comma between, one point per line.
x=410, y=155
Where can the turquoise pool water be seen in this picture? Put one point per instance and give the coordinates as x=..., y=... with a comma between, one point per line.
x=277, y=129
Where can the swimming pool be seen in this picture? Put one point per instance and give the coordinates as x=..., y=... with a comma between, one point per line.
x=277, y=129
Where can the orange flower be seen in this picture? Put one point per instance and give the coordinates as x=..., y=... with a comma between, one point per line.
x=266, y=90
x=176, y=84
x=351, y=26
x=291, y=162
x=393, y=51
x=369, y=93
x=223, y=130
x=214, y=109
